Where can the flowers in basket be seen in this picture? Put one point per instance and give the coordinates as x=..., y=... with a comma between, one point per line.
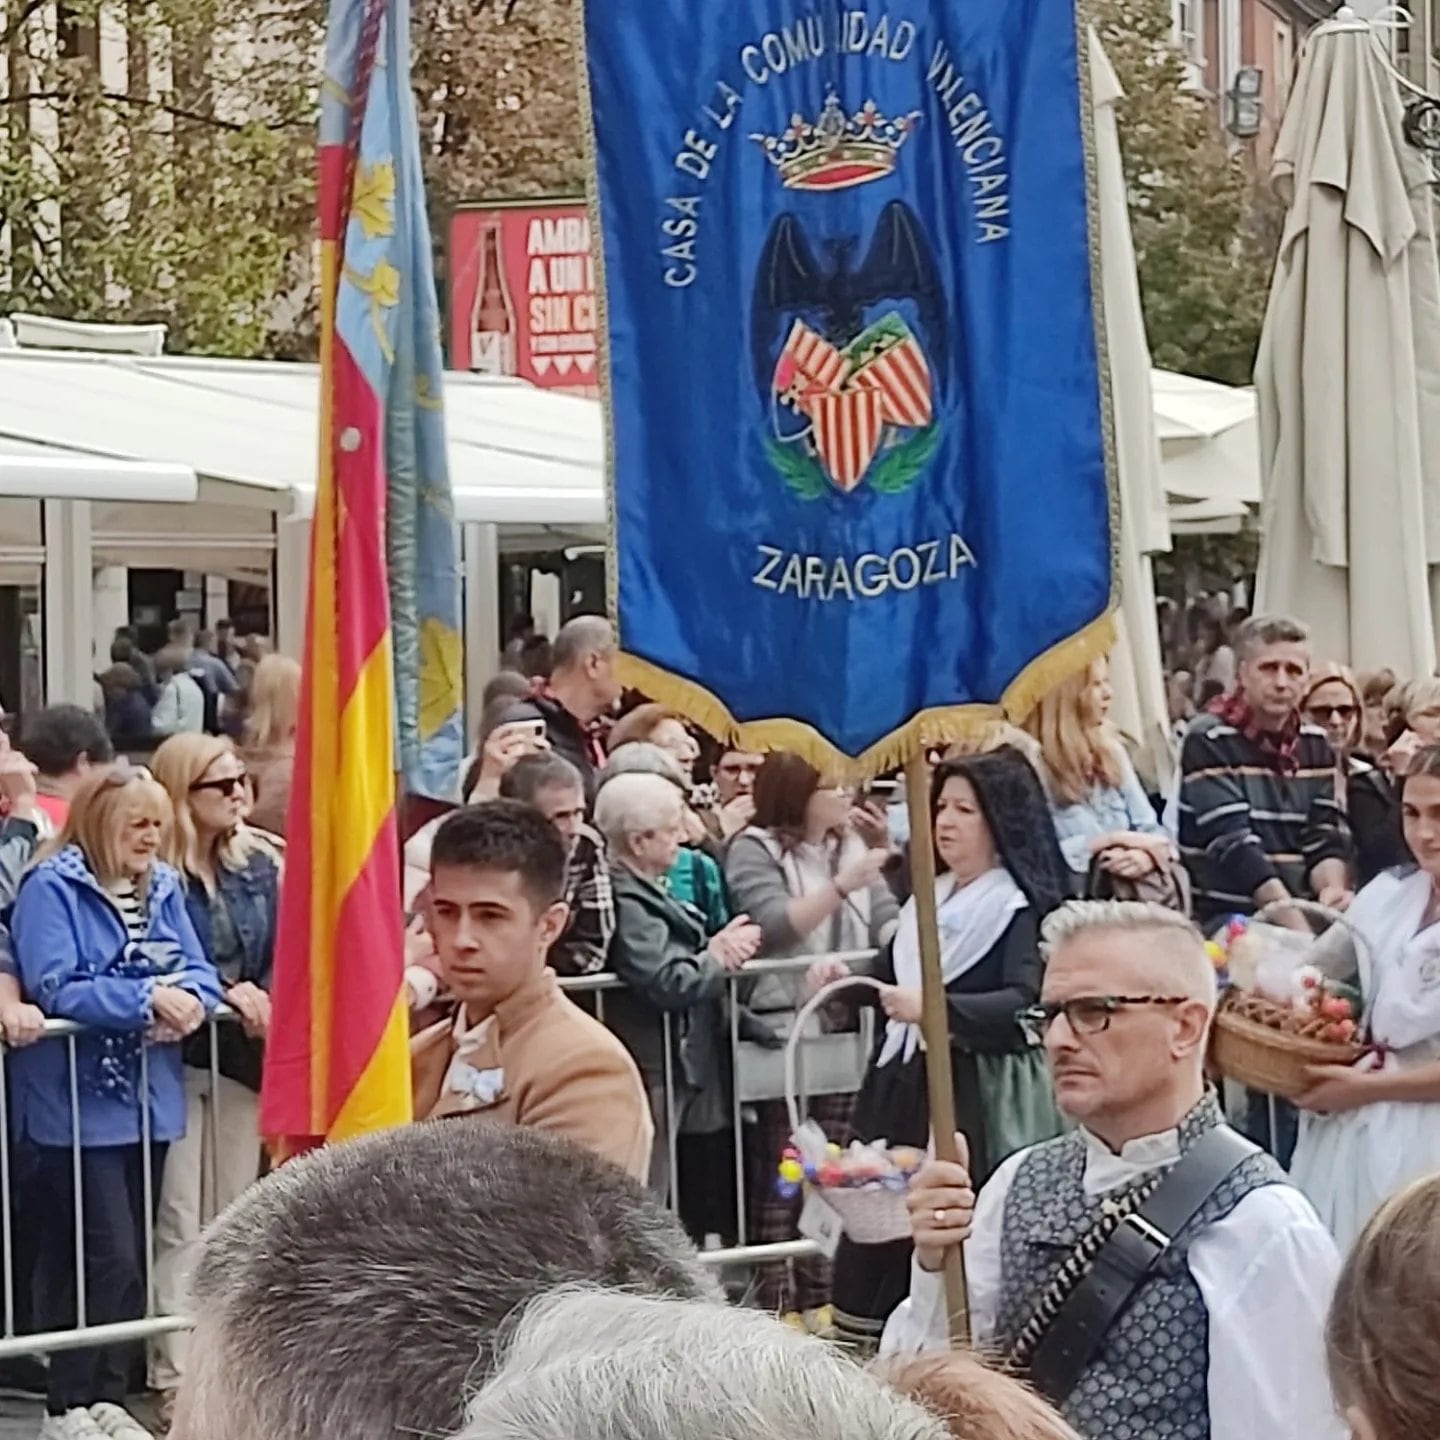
x=1288, y=980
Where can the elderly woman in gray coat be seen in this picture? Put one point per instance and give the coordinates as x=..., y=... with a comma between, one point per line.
x=676, y=978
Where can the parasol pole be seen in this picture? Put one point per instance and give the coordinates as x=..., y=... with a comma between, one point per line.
x=935, y=1023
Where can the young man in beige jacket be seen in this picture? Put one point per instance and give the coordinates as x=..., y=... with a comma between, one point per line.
x=516, y=1051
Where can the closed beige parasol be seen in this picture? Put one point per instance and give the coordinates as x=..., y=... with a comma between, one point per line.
x=1348, y=374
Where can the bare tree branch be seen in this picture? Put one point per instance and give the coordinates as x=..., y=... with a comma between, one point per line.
x=164, y=107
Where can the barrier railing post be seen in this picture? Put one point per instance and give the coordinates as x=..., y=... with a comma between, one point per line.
x=210, y=1128
x=671, y=1126
x=7, y=1255
x=737, y=1113
x=147, y=1178
x=77, y=1171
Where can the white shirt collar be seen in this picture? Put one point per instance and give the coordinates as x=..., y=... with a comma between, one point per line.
x=1106, y=1171
x=470, y=1037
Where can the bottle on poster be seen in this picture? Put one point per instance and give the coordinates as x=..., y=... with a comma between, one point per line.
x=493, y=324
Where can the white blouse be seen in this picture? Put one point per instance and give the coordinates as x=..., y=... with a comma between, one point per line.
x=1400, y=964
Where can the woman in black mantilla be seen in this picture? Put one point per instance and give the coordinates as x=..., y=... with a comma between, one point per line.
x=1000, y=873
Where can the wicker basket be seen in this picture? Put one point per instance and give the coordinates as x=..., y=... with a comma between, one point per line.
x=1250, y=1046
x=872, y=1216
x=1258, y=1042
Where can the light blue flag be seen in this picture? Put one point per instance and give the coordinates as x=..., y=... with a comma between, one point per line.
x=424, y=568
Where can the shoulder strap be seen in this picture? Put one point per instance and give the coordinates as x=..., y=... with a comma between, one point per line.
x=1128, y=1257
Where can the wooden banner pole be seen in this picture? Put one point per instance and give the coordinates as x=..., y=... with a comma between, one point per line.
x=935, y=1024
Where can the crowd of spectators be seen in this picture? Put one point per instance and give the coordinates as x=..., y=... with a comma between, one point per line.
x=600, y=839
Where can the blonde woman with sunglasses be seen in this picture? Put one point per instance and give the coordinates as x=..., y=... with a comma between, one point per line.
x=102, y=937
x=231, y=875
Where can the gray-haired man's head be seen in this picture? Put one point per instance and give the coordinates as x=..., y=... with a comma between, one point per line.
x=582, y=672
x=583, y=1364
x=1274, y=667
x=355, y=1294
x=1127, y=1001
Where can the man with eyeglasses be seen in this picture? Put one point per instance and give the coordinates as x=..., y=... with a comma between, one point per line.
x=1152, y=1272
x=734, y=808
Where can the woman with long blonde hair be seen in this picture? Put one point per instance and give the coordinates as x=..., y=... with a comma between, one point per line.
x=231, y=875
x=1103, y=818
x=102, y=937
x=270, y=739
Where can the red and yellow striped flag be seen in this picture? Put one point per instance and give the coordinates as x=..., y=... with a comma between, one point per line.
x=337, y=1058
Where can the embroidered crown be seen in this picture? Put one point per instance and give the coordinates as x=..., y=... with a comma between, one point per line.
x=838, y=150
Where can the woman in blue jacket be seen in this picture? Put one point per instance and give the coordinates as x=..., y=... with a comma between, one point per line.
x=101, y=937
x=232, y=890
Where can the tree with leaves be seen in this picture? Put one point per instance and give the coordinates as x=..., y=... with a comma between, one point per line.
x=156, y=164
x=157, y=156
x=499, y=95
x=1203, y=230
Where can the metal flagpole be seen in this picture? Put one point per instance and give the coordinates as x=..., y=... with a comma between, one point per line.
x=935, y=1024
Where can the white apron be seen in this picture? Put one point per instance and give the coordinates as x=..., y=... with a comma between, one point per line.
x=1350, y=1164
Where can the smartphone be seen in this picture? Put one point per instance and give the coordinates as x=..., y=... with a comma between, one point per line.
x=529, y=733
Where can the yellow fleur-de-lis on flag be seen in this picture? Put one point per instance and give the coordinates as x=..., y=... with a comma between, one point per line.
x=373, y=202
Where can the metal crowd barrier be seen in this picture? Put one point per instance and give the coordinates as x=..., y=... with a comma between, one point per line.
x=590, y=990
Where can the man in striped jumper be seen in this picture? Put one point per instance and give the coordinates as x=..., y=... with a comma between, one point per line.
x=1259, y=818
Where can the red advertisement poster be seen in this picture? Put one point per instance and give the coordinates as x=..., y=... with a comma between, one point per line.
x=522, y=294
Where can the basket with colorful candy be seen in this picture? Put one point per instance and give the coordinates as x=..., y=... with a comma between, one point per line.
x=865, y=1185
x=1285, y=1007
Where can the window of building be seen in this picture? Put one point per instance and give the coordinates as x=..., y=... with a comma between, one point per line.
x=1188, y=19
x=22, y=636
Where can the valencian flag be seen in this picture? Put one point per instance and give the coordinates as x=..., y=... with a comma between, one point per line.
x=858, y=421
x=381, y=689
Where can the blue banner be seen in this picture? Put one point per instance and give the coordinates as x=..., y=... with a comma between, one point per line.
x=858, y=450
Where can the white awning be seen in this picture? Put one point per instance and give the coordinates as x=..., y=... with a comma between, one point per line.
x=1209, y=440
x=35, y=472
x=517, y=455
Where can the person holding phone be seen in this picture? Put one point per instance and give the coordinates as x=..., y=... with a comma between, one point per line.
x=581, y=690
x=672, y=1012
x=505, y=739
x=814, y=885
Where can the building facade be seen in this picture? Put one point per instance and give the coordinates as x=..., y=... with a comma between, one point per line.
x=1240, y=56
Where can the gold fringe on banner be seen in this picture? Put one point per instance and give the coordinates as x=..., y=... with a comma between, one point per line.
x=945, y=725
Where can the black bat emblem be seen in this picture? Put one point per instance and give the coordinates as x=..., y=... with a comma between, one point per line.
x=791, y=283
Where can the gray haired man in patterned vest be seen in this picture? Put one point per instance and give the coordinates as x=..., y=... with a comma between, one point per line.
x=1151, y=1272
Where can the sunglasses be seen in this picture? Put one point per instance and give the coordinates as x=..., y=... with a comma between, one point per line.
x=1321, y=713
x=230, y=785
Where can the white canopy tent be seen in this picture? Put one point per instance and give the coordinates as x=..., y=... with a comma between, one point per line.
x=519, y=457
x=35, y=472
x=1209, y=442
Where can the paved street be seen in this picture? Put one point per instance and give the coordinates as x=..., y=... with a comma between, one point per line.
x=19, y=1419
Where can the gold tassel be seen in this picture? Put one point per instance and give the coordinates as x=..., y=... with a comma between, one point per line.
x=947, y=725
